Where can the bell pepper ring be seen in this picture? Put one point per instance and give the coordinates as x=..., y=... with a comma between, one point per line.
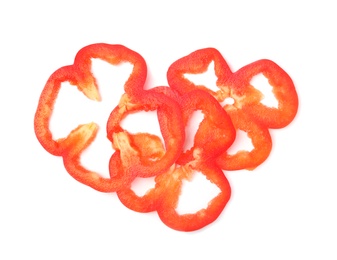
x=172, y=187
x=143, y=155
x=81, y=139
x=170, y=122
x=257, y=117
x=261, y=141
x=197, y=62
x=79, y=74
x=283, y=90
x=216, y=119
x=148, y=202
x=164, y=197
x=215, y=133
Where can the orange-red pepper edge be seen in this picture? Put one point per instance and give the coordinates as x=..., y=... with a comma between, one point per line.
x=144, y=155
x=247, y=112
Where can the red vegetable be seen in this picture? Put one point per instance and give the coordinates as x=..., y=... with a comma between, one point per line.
x=79, y=74
x=261, y=141
x=215, y=133
x=247, y=112
x=164, y=197
x=144, y=155
x=171, y=185
x=171, y=126
x=201, y=157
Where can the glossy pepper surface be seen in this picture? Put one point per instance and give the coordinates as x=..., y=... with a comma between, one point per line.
x=165, y=158
x=72, y=146
x=164, y=197
x=247, y=111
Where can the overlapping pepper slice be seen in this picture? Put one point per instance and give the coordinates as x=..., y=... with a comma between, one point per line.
x=171, y=126
x=171, y=185
x=247, y=112
x=282, y=87
x=260, y=138
x=80, y=139
x=143, y=155
x=79, y=74
x=209, y=144
x=164, y=197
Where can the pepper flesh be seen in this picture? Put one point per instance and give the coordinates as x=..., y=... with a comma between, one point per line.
x=143, y=155
x=164, y=197
x=215, y=118
x=79, y=74
x=170, y=121
x=247, y=111
x=172, y=184
x=261, y=141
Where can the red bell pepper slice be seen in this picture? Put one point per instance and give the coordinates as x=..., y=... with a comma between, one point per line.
x=257, y=117
x=261, y=140
x=283, y=90
x=81, y=139
x=171, y=184
x=119, y=178
x=163, y=198
x=149, y=201
x=215, y=133
x=171, y=126
x=79, y=74
x=195, y=63
x=144, y=155
x=216, y=120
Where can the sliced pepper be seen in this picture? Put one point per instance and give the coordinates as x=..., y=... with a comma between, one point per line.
x=171, y=184
x=215, y=133
x=282, y=87
x=79, y=74
x=261, y=141
x=164, y=197
x=82, y=137
x=255, y=117
x=171, y=126
x=143, y=155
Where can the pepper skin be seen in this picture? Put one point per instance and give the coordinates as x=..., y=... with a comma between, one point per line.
x=164, y=197
x=79, y=74
x=247, y=112
x=171, y=126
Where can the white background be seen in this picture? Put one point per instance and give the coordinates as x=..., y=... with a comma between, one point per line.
x=285, y=209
